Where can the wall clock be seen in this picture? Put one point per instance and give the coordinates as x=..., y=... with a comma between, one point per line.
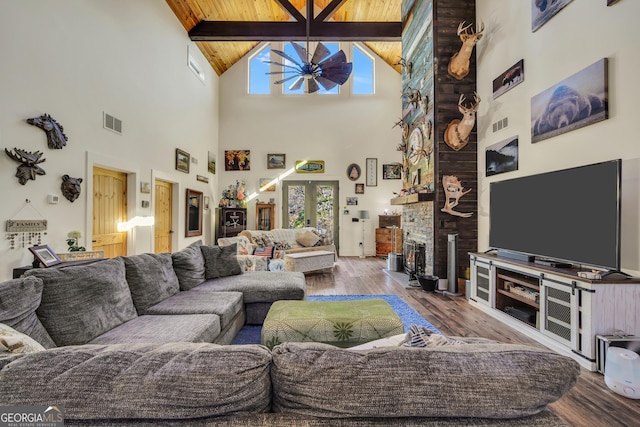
x=415, y=147
x=354, y=172
x=372, y=172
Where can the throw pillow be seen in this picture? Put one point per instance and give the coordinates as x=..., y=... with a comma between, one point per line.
x=82, y=302
x=263, y=239
x=282, y=245
x=19, y=299
x=12, y=341
x=276, y=265
x=151, y=279
x=307, y=239
x=421, y=336
x=253, y=263
x=266, y=251
x=188, y=265
x=244, y=246
x=220, y=261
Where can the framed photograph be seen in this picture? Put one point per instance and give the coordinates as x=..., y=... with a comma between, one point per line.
x=502, y=157
x=372, y=172
x=577, y=101
x=183, y=160
x=267, y=184
x=145, y=204
x=193, y=215
x=359, y=188
x=202, y=178
x=237, y=160
x=509, y=79
x=354, y=172
x=542, y=11
x=145, y=187
x=309, y=166
x=352, y=201
x=211, y=164
x=276, y=161
x=45, y=255
x=392, y=171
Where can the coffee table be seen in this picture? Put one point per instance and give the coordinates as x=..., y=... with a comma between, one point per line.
x=308, y=261
x=339, y=323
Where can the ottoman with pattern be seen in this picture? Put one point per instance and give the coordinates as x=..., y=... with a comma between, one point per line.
x=339, y=323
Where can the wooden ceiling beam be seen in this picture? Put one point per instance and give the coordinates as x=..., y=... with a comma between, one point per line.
x=211, y=31
x=291, y=10
x=328, y=11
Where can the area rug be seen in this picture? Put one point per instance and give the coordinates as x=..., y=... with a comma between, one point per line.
x=250, y=334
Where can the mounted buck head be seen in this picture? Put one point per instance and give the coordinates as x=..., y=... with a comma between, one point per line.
x=457, y=133
x=459, y=64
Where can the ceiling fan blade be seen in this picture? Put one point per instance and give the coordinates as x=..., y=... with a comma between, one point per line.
x=312, y=86
x=338, y=74
x=284, y=55
x=320, y=53
x=301, y=51
x=297, y=84
x=297, y=67
x=285, y=80
x=339, y=56
x=326, y=83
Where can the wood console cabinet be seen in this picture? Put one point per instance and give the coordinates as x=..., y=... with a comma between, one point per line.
x=384, y=238
x=230, y=222
x=553, y=305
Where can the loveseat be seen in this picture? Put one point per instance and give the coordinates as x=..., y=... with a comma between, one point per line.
x=290, y=240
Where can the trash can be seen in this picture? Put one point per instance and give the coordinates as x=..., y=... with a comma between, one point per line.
x=428, y=283
x=394, y=261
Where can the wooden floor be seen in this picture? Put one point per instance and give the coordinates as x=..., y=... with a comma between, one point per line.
x=590, y=403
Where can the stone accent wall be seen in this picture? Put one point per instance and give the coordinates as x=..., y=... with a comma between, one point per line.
x=417, y=225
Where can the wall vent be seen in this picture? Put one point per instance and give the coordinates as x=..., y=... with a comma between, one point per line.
x=111, y=123
x=500, y=124
x=194, y=66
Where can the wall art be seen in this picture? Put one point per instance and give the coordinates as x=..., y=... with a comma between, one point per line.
x=502, y=156
x=71, y=188
x=543, y=10
x=56, y=139
x=276, y=161
x=392, y=171
x=310, y=166
x=359, y=188
x=29, y=161
x=354, y=172
x=352, y=201
x=372, y=172
x=211, y=162
x=577, y=101
x=457, y=133
x=202, y=178
x=183, y=160
x=267, y=184
x=509, y=79
x=453, y=191
x=145, y=187
x=237, y=160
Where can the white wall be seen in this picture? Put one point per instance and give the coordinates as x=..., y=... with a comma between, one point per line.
x=339, y=129
x=579, y=35
x=75, y=59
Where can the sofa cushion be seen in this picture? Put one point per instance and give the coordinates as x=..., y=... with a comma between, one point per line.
x=253, y=262
x=261, y=286
x=19, y=299
x=483, y=380
x=307, y=238
x=162, y=329
x=220, y=261
x=225, y=304
x=244, y=246
x=142, y=382
x=12, y=341
x=82, y=302
x=188, y=265
x=151, y=279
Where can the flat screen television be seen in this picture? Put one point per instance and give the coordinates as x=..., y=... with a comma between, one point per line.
x=570, y=215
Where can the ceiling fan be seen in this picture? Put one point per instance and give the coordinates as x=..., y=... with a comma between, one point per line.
x=323, y=68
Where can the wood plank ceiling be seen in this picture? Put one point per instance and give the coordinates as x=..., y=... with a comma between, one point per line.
x=224, y=30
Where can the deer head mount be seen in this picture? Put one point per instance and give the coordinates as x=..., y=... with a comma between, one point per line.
x=459, y=64
x=29, y=161
x=406, y=65
x=457, y=133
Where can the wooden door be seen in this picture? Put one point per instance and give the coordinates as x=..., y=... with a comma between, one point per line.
x=163, y=216
x=109, y=209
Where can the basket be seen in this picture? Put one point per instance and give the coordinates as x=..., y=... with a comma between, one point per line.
x=80, y=255
x=524, y=293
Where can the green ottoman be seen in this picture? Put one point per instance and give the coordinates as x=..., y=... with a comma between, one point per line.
x=339, y=323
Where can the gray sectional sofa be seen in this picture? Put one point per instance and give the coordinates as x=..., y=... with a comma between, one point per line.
x=132, y=342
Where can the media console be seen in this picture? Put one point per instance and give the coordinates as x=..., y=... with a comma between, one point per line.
x=555, y=306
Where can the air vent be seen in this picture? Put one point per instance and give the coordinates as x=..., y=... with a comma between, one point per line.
x=500, y=124
x=112, y=124
x=194, y=66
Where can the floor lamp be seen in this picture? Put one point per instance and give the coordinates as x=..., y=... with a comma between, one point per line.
x=363, y=215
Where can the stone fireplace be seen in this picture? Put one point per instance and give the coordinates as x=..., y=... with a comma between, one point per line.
x=417, y=226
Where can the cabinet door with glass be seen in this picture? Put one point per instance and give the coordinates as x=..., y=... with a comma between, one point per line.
x=481, y=282
x=265, y=216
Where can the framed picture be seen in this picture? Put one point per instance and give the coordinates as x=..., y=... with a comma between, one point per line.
x=309, y=166
x=372, y=172
x=359, y=188
x=502, y=156
x=352, y=201
x=276, y=161
x=237, y=160
x=211, y=164
x=267, y=184
x=542, y=11
x=354, y=172
x=202, y=178
x=392, y=171
x=183, y=160
x=509, y=79
x=193, y=215
x=577, y=101
x=145, y=187
x=45, y=255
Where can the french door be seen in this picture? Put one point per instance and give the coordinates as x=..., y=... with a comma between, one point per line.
x=312, y=204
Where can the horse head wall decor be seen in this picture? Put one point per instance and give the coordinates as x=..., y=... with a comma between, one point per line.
x=56, y=138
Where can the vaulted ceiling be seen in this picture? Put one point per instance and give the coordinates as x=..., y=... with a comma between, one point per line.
x=226, y=30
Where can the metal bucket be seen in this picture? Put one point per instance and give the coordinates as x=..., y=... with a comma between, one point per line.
x=394, y=262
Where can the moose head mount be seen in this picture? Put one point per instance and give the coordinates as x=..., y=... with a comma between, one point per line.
x=29, y=161
x=459, y=63
x=457, y=133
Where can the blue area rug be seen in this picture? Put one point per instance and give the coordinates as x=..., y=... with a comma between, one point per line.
x=250, y=334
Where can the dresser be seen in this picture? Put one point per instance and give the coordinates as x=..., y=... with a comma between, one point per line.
x=384, y=239
x=230, y=222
